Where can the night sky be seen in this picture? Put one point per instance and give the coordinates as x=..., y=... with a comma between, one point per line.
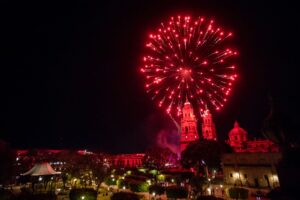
x=70, y=71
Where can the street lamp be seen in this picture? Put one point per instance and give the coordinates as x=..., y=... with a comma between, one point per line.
x=154, y=194
x=149, y=182
x=209, y=191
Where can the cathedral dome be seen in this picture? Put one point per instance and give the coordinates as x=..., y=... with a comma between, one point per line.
x=237, y=133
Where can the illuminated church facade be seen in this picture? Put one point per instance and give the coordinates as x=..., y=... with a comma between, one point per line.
x=189, y=131
x=238, y=138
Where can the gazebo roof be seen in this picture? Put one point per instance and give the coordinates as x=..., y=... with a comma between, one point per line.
x=41, y=169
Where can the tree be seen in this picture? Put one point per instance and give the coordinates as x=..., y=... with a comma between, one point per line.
x=124, y=196
x=86, y=167
x=202, y=153
x=5, y=194
x=88, y=194
x=278, y=129
x=99, y=174
x=157, y=157
x=197, y=184
x=138, y=186
x=7, y=160
x=176, y=192
x=157, y=189
x=208, y=198
x=238, y=193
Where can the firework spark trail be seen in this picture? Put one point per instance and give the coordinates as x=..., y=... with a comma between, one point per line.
x=189, y=58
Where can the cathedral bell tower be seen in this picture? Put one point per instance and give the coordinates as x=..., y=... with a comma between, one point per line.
x=189, y=131
x=208, y=126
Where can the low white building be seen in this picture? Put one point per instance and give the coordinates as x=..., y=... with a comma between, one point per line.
x=251, y=169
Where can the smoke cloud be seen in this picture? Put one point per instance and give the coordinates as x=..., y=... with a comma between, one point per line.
x=168, y=139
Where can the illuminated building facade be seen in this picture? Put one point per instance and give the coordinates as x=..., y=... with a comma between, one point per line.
x=127, y=160
x=257, y=170
x=119, y=160
x=208, y=126
x=189, y=131
x=238, y=140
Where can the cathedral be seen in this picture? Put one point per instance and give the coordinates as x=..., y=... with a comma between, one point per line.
x=189, y=130
x=238, y=138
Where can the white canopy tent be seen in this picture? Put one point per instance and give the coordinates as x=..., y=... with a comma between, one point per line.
x=41, y=169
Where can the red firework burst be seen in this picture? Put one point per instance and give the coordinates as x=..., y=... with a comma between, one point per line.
x=189, y=58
